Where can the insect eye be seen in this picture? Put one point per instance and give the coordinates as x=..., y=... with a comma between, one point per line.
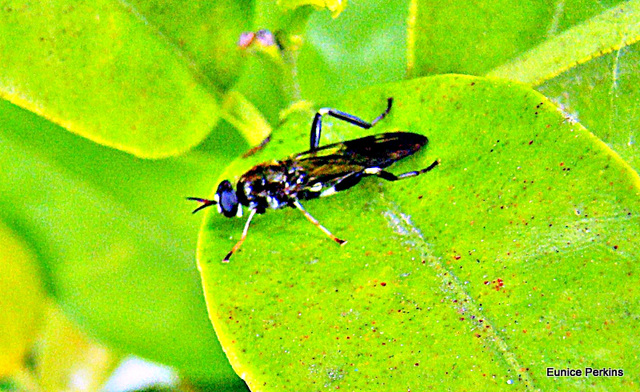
x=227, y=199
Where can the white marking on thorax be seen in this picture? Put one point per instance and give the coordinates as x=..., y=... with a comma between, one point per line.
x=317, y=187
x=273, y=202
x=216, y=198
x=328, y=191
x=372, y=170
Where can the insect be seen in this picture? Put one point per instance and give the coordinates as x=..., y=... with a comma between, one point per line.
x=319, y=172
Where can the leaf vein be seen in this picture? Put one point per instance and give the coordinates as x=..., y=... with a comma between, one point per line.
x=454, y=289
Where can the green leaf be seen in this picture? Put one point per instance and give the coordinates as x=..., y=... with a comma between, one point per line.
x=606, y=32
x=517, y=253
x=65, y=350
x=335, y=6
x=362, y=47
x=365, y=46
x=206, y=32
x=22, y=300
x=603, y=95
x=246, y=118
x=260, y=86
x=475, y=37
x=116, y=237
x=590, y=71
x=98, y=70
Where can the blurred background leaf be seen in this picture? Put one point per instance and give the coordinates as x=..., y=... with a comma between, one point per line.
x=205, y=33
x=67, y=359
x=101, y=70
x=335, y=6
x=363, y=47
x=605, y=32
x=475, y=37
x=22, y=300
x=115, y=236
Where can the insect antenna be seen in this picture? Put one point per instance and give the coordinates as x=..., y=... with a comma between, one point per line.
x=205, y=203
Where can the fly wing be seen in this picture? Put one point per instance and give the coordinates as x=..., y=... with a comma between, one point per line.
x=340, y=166
x=384, y=149
x=370, y=151
x=326, y=175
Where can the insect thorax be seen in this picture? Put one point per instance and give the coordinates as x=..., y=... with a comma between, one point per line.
x=270, y=185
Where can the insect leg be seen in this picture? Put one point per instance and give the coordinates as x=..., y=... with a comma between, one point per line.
x=317, y=224
x=392, y=177
x=316, y=126
x=244, y=235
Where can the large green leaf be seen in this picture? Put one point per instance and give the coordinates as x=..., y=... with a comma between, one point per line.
x=603, y=95
x=102, y=71
x=590, y=70
x=610, y=30
x=475, y=37
x=519, y=252
x=116, y=238
x=594, y=81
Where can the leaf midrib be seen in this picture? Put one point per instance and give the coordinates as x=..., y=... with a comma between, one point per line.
x=401, y=224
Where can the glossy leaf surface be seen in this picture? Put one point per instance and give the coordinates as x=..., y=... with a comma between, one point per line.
x=517, y=253
x=101, y=70
x=606, y=98
x=590, y=72
x=476, y=37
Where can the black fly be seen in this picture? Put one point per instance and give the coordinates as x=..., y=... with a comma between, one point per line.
x=319, y=172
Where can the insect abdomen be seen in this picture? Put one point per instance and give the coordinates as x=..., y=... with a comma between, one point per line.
x=384, y=149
